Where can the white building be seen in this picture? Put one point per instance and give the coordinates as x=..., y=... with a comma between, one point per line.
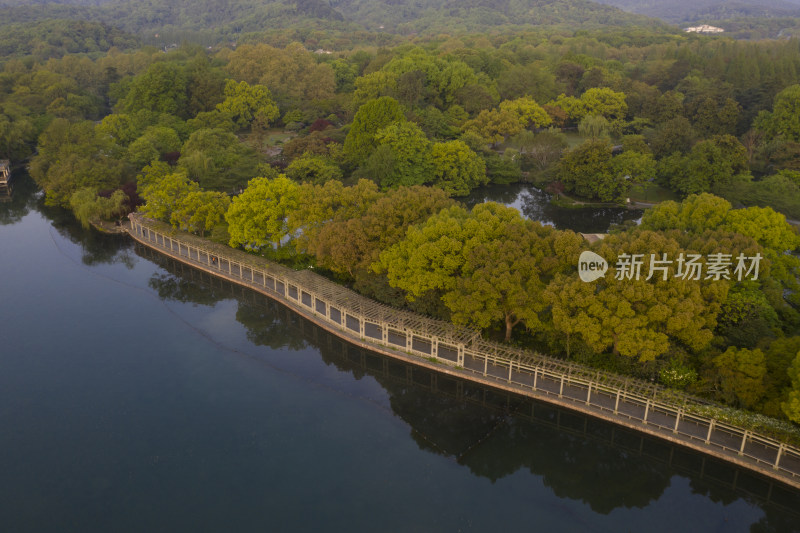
x=704, y=28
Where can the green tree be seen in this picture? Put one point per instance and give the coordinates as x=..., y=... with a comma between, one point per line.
x=370, y=118
x=73, y=156
x=791, y=407
x=605, y=102
x=318, y=205
x=163, y=194
x=350, y=244
x=246, y=104
x=741, y=375
x=587, y=171
x=637, y=318
x=487, y=264
x=153, y=143
x=457, y=169
x=314, y=169
x=712, y=162
x=411, y=149
x=600, y=101
x=785, y=117
x=493, y=126
x=160, y=89
x=696, y=214
x=200, y=211
x=88, y=207
x=374, y=85
x=674, y=135
x=528, y=111
x=594, y=126
x=633, y=167
x=292, y=73
x=17, y=134
x=258, y=217
x=217, y=160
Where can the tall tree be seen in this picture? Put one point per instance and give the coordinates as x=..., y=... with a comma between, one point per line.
x=411, y=151
x=217, y=160
x=160, y=89
x=369, y=119
x=246, y=104
x=258, y=217
x=200, y=211
x=163, y=193
x=487, y=264
x=457, y=169
x=741, y=375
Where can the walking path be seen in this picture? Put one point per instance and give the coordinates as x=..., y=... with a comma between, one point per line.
x=430, y=343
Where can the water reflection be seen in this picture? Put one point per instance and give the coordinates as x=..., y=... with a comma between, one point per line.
x=18, y=200
x=496, y=434
x=535, y=204
x=96, y=247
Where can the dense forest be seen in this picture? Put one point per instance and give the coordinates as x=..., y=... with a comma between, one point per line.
x=349, y=151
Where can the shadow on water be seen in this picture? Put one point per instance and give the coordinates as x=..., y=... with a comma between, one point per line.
x=96, y=247
x=534, y=204
x=18, y=200
x=493, y=433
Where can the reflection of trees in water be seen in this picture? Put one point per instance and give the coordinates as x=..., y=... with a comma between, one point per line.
x=493, y=433
x=265, y=320
x=575, y=466
x=535, y=205
x=502, y=194
x=97, y=247
x=266, y=327
x=496, y=434
x=15, y=205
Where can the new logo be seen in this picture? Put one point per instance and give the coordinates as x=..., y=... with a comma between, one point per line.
x=591, y=266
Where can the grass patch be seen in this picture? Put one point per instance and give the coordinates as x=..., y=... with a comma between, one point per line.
x=651, y=193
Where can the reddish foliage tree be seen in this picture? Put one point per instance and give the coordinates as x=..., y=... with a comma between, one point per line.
x=319, y=125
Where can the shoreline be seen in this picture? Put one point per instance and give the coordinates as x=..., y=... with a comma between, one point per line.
x=593, y=399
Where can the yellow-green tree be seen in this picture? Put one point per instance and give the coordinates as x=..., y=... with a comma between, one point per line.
x=527, y=111
x=162, y=194
x=791, y=407
x=637, y=318
x=247, y=104
x=740, y=373
x=200, y=211
x=487, y=264
x=456, y=168
x=258, y=216
x=493, y=126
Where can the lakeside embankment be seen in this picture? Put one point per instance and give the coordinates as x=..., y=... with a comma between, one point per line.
x=458, y=351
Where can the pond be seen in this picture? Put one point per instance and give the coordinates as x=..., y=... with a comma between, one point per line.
x=534, y=204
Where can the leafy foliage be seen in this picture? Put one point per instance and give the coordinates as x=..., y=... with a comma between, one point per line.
x=258, y=216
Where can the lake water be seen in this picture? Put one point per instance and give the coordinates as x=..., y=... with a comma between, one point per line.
x=534, y=204
x=140, y=395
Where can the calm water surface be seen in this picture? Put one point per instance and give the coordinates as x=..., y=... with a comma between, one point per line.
x=534, y=204
x=139, y=395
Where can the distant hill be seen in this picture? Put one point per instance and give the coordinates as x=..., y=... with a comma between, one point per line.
x=234, y=17
x=683, y=11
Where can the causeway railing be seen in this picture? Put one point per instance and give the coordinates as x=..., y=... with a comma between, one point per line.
x=670, y=413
